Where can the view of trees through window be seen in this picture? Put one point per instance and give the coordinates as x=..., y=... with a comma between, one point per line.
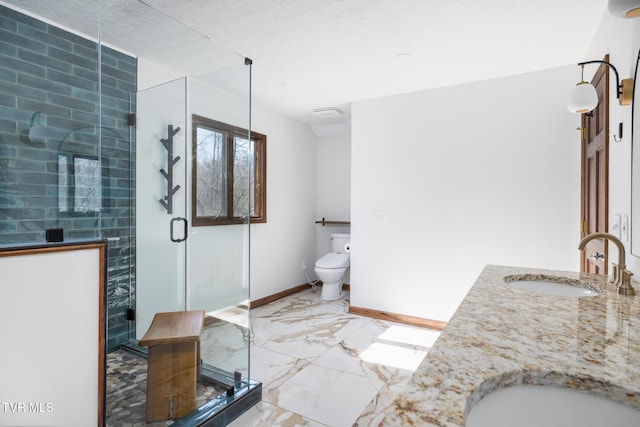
x=229, y=174
x=211, y=200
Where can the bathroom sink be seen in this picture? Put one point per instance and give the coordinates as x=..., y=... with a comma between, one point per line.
x=529, y=405
x=553, y=285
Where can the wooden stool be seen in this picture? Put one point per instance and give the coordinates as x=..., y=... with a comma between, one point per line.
x=174, y=343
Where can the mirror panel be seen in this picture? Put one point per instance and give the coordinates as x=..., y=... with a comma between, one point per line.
x=635, y=166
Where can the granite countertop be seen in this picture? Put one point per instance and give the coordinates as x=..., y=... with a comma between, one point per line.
x=502, y=336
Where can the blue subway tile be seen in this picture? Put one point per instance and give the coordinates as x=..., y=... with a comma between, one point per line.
x=41, y=35
x=44, y=61
x=71, y=80
x=8, y=100
x=77, y=60
x=43, y=84
x=7, y=50
x=21, y=41
x=44, y=107
x=72, y=102
x=8, y=126
x=23, y=67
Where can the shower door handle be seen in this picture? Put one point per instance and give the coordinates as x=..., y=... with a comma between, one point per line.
x=184, y=235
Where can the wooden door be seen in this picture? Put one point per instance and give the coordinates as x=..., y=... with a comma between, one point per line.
x=595, y=176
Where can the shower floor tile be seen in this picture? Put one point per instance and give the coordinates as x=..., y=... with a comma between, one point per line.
x=127, y=391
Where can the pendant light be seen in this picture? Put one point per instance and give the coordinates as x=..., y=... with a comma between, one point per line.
x=583, y=97
x=625, y=8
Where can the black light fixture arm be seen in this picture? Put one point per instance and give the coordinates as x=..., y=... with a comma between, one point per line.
x=618, y=85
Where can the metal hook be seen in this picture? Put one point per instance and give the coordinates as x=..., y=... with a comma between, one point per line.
x=618, y=138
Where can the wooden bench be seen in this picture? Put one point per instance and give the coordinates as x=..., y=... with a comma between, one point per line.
x=174, y=345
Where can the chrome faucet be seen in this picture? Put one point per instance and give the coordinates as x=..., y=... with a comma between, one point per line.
x=620, y=276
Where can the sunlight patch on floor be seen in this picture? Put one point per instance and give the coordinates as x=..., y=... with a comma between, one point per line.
x=235, y=315
x=400, y=347
x=410, y=335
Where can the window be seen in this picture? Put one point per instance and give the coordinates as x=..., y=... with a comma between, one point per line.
x=229, y=174
x=79, y=184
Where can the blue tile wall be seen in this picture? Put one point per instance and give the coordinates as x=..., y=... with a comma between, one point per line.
x=49, y=70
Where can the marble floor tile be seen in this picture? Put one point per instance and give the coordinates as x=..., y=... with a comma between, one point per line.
x=225, y=346
x=266, y=414
x=310, y=337
x=273, y=368
x=325, y=395
x=348, y=359
x=319, y=365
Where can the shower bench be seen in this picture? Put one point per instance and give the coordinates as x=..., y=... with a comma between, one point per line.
x=174, y=345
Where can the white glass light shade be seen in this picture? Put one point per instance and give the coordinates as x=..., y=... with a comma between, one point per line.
x=625, y=8
x=583, y=98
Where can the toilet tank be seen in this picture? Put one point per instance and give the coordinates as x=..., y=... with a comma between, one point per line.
x=338, y=240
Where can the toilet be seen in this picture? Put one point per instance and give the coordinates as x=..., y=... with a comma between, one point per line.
x=331, y=268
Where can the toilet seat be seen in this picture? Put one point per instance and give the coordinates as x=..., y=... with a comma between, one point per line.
x=333, y=260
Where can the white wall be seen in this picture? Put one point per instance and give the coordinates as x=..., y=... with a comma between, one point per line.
x=287, y=239
x=448, y=180
x=333, y=188
x=621, y=39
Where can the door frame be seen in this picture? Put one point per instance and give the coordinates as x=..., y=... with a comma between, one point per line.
x=601, y=109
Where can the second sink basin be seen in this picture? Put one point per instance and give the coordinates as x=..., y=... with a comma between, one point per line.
x=553, y=285
x=534, y=406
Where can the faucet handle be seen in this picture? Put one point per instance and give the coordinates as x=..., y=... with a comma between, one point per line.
x=625, y=283
x=621, y=279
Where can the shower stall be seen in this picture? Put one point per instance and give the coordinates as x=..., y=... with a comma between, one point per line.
x=102, y=147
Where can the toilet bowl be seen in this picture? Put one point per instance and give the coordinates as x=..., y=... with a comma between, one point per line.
x=332, y=267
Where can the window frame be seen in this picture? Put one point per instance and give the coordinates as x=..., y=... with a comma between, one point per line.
x=259, y=173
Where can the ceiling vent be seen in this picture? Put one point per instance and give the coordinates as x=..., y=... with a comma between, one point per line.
x=327, y=112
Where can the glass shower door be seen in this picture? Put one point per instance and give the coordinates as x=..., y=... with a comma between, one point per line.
x=161, y=224
x=209, y=270
x=218, y=262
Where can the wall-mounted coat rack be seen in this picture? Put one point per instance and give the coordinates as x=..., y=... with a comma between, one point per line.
x=167, y=202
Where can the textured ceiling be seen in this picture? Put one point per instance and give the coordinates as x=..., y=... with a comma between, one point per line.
x=311, y=54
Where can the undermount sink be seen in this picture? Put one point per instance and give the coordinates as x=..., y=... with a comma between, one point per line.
x=553, y=285
x=529, y=406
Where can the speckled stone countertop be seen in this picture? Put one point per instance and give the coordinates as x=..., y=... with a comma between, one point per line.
x=502, y=336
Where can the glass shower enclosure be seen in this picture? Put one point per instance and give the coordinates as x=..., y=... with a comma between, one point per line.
x=110, y=116
x=180, y=266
